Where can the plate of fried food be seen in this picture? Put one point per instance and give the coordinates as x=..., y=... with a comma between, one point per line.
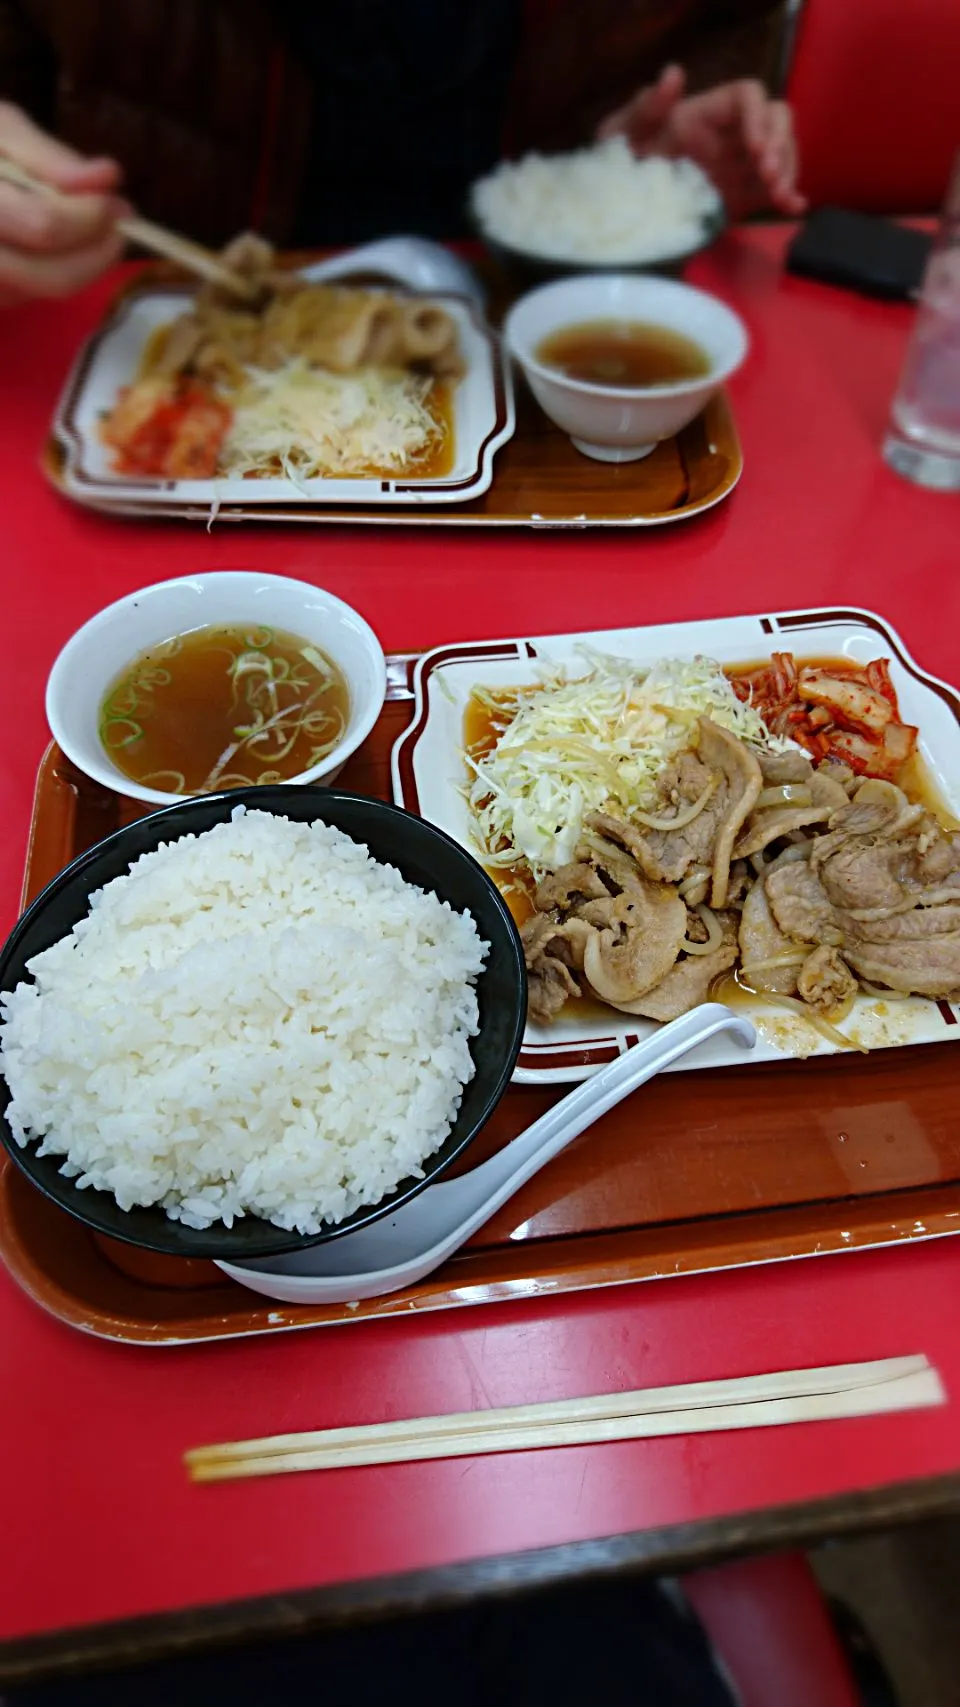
x=763, y=811
x=326, y=385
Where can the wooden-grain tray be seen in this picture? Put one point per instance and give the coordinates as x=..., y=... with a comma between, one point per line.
x=699, y=1171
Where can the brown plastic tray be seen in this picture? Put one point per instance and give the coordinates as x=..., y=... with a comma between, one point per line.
x=701, y=1170
x=539, y=480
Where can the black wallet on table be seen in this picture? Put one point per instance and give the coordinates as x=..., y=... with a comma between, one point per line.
x=860, y=251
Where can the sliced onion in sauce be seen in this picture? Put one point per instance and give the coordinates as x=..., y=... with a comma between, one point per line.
x=684, y=817
x=874, y=788
x=773, y=962
x=699, y=874
x=879, y=994
x=908, y=817
x=830, y=1032
x=793, y=854
x=786, y=794
x=714, y=928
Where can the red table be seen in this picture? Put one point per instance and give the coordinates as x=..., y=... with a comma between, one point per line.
x=98, y=1522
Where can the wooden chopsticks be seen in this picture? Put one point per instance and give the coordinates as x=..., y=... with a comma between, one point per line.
x=755, y=1401
x=182, y=250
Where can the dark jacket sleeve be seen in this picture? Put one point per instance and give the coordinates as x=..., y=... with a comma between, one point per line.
x=27, y=64
x=197, y=98
x=580, y=59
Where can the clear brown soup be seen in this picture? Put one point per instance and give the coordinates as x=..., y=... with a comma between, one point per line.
x=623, y=354
x=224, y=707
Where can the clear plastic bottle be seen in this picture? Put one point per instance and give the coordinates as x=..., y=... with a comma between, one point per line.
x=923, y=441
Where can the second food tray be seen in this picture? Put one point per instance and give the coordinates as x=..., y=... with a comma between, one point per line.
x=702, y=1170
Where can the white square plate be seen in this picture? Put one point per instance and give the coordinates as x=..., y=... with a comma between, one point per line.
x=428, y=776
x=483, y=419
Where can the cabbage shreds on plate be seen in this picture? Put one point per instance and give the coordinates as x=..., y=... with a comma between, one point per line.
x=595, y=742
x=310, y=423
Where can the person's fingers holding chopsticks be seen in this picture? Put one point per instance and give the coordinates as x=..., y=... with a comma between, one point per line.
x=26, y=273
x=48, y=226
x=45, y=157
x=54, y=243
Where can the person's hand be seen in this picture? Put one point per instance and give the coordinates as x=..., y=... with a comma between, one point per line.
x=52, y=247
x=743, y=140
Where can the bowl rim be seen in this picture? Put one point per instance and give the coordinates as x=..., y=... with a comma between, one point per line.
x=625, y=393
x=218, y=1241
x=713, y=226
x=111, y=777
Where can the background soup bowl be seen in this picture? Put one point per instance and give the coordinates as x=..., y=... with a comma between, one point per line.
x=614, y=423
x=99, y=651
x=423, y=855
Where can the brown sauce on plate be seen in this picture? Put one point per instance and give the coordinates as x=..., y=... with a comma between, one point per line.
x=623, y=354
x=920, y=785
x=439, y=460
x=224, y=707
x=482, y=727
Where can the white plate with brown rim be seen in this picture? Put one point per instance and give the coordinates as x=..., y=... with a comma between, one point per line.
x=429, y=773
x=483, y=406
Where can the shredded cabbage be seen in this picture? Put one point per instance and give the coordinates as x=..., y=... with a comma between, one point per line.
x=312, y=422
x=595, y=742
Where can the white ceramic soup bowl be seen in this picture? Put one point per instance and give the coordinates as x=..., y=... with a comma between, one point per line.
x=99, y=651
x=613, y=423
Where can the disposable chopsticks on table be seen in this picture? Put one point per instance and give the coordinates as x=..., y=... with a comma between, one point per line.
x=699, y=1407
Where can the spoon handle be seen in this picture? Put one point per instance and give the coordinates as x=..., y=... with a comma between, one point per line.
x=403, y=1248
x=495, y=1180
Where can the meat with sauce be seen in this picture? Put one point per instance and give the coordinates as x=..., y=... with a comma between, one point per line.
x=867, y=890
x=635, y=948
x=842, y=885
x=725, y=775
x=764, y=947
x=825, y=982
x=775, y=824
x=800, y=905
x=780, y=768
x=549, y=986
x=920, y=966
x=566, y=888
x=690, y=980
x=549, y=980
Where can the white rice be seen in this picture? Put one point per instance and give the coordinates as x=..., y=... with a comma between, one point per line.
x=257, y=1020
x=600, y=205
